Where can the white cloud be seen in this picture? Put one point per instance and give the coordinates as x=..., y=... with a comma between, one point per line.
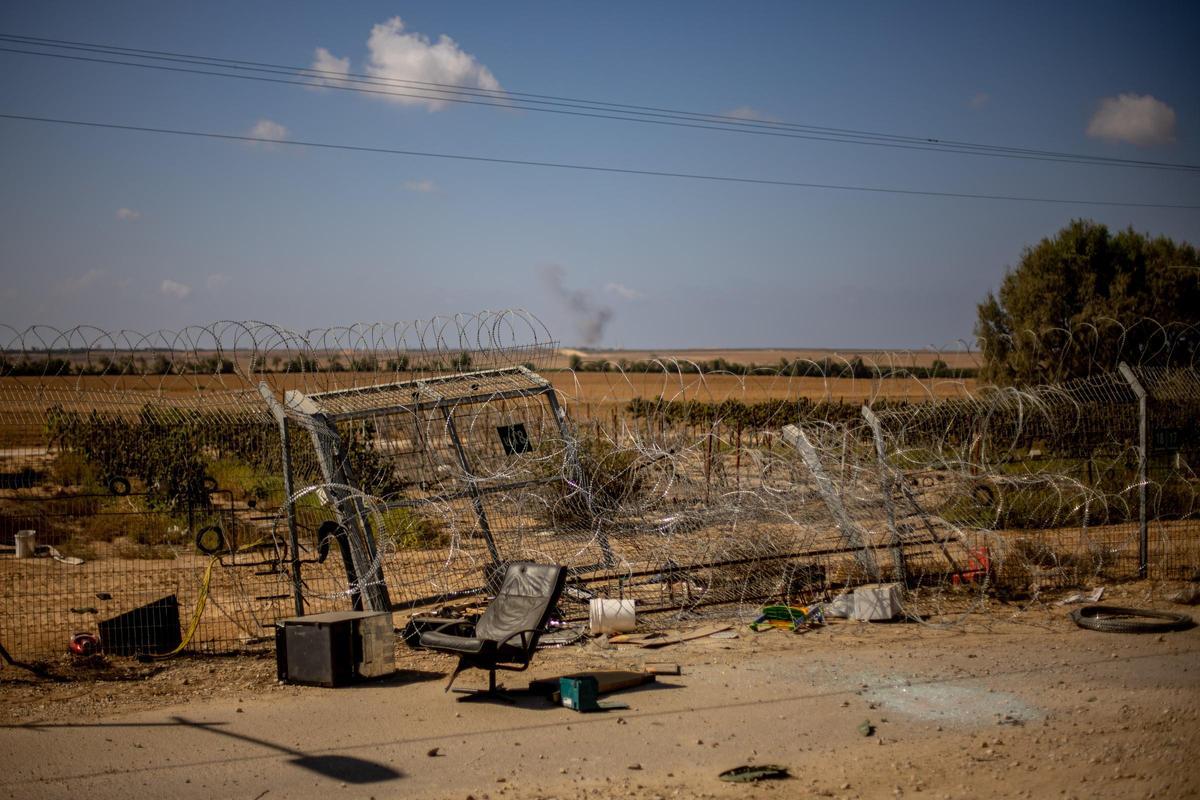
x=217, y=281
x=399, y=55
x=87, y=280
x=174, y=289
x=268, y=129
x=128, y=214
x=979, y=100
x=423, y=185
x=395, y=54
x=1138, y=119
x=327, y=62
x=748, y=113
x=623, y=291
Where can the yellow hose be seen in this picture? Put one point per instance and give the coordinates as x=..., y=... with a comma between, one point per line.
x=201, y=600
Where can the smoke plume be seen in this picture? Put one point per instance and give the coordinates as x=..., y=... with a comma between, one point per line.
x=589, y=317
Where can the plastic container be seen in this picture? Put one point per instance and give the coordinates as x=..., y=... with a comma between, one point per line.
x=26, y=543
x=612, y=616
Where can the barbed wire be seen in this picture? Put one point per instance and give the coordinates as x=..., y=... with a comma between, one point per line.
x=423, y=456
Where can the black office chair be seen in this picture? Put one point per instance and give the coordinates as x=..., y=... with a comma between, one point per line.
x=506, y=635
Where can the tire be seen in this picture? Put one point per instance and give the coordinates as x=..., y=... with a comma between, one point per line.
x=118, y=485
x=1115, y=619
x=214, y=547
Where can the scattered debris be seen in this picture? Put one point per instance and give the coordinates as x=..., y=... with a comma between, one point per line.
x=606, y=681
x=84, y=644
x=1080, y=597
x=754, y=772
x=676, y=638
x=792, y=618
x=840, y=607
x=434, y=752
x=1187, y=597
x=152, y=628
x=612, y=616
x=582, y=693
x=877, y=603
x=661, y=669
x=1116, y=619
x=633, y=638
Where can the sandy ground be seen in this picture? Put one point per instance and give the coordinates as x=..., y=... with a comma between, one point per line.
x=1008, y=705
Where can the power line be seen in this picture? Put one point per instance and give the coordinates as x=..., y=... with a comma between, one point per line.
x=454, y=93
x=587, y=167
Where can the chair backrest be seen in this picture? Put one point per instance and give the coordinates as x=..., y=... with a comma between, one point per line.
x=527, y=596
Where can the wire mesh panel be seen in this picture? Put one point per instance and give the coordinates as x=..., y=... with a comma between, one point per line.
x=215, y=479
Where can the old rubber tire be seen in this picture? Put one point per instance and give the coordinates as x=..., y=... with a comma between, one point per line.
x=118, y=485
x=210, y=540
x=1116, y=619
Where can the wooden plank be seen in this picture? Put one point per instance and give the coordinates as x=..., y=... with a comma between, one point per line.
x=632, y=638
x=606, y=680
x=698, y=633
x=661, y=669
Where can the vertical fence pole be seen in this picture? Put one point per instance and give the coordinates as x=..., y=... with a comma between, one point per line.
x=885, y=488
x=1143, y=435
x=293, y=538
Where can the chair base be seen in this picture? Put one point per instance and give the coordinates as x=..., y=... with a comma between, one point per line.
x=492, y=692
x=484, y=695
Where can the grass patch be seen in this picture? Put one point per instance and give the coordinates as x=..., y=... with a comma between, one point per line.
x=74, y=470
x=243, y=481
x=408, y=529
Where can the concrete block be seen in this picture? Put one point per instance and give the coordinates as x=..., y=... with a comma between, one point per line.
x=877, y=602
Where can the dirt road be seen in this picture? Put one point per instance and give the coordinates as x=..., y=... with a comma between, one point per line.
x=1034, y=708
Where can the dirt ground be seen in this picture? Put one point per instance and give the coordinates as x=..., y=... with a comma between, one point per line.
x=1014, y=703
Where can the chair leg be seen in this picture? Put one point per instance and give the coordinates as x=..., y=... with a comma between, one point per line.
x=491, y=693
x=459, y=667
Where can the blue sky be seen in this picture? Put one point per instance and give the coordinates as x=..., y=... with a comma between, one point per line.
x=141, y=231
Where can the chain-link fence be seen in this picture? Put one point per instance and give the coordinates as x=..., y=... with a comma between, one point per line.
x=254, y=473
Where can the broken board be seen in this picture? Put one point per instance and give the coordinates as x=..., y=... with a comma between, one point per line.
x=661, y=669
x=698, y=633
x=606, y=681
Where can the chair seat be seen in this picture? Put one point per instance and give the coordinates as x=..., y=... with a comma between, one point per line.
x=455, y=644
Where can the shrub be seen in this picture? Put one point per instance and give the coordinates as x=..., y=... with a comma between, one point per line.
x=408, y=529
x=606, y=479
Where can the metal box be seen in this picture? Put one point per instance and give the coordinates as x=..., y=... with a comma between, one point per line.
x=335, y=648
x=579, y=693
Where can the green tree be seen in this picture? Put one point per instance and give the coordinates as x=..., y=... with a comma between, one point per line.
x=1085, y=299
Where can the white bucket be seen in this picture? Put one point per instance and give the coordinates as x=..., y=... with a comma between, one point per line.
x=24, y=540
x=612, y=616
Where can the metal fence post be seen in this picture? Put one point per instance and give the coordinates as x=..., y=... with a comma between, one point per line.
x=293, y=539
x=1143, y=434
x=852, y=536
x=886, y=481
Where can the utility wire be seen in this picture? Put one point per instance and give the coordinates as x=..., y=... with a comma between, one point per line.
x=507, y=95
x=453, y=93
x=587, y=167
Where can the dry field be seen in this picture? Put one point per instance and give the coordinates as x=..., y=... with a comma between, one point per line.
x=771, y=356
x=584, y=387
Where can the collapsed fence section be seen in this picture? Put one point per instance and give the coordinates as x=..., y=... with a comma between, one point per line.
x=223, y=511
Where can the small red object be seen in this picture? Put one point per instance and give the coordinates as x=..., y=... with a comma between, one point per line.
x=84, y=644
